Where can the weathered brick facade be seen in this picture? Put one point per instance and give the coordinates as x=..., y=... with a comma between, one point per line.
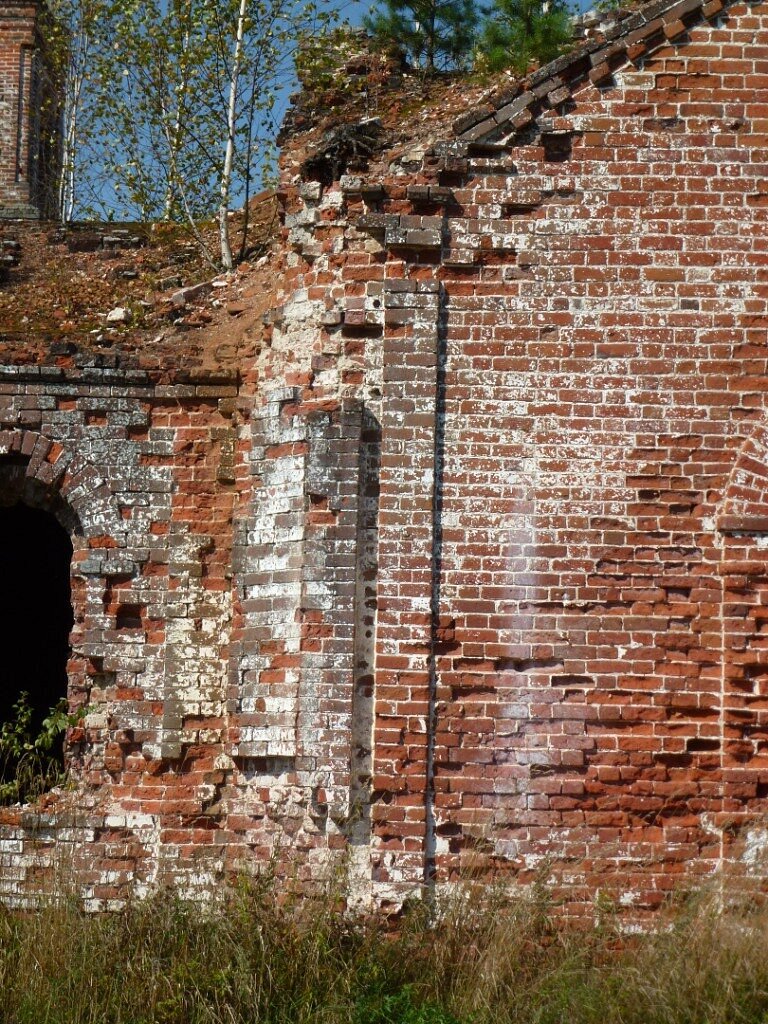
x=464, y=567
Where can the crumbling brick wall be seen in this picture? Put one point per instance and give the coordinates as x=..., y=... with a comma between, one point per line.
x=559, y=324
x=464, y=570
x=129, y=467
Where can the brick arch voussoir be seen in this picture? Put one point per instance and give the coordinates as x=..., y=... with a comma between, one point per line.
x=61, y=472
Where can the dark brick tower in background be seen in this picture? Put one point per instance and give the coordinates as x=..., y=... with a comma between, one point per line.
x=27, y=115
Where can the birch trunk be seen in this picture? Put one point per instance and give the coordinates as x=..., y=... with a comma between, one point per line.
x=229, y=155
x=173, y=137
x=77, y=61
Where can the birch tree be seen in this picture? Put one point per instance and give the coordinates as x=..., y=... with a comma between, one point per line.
x=72, y=33
x=183, y=94
x=229, y=152
x=194, y=110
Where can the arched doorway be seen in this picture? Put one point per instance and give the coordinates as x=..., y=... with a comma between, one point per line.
x=35, y=609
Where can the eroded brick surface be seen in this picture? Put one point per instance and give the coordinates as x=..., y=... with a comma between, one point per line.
x=463, y=570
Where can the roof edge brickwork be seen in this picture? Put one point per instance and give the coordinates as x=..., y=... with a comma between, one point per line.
x=627, y=42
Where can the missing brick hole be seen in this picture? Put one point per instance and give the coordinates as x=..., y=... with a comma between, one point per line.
x=128, y=616
x=564, y=192
x=97, y=677
x=678, y=759
x=518, y=209
x=557, y=147
x=96, y=418
x=111, y=591
x=702, y=745
x=665, y=124
x=526, y=664
x=568, y=681
x=253, y=767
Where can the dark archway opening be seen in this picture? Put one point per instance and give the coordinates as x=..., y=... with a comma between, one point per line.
x=35, y=609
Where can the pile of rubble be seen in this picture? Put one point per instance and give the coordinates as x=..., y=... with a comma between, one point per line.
x=90, y=282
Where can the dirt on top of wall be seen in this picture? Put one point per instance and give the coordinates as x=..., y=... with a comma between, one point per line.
x=143, y=296
x=138, y=296
x=359, y=86
x=351, y=83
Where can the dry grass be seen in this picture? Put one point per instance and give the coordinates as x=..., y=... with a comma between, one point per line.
x=489, y=959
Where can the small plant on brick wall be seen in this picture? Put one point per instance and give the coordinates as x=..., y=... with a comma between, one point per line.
x=436, y=35
x=30, y=761
x=520, y=34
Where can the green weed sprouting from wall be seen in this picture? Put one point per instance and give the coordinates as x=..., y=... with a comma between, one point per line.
x=30, y=758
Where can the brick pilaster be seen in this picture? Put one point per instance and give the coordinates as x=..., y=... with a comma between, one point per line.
x=406, y=553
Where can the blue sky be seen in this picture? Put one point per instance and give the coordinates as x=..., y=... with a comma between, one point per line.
x=352, y=11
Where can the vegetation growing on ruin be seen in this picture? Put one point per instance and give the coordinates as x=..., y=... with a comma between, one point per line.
x=521, y=32
x=65, y=282
x=31, y=759
x=167, y=109
x=435, y=34
x=487, y=959
x=440, y=35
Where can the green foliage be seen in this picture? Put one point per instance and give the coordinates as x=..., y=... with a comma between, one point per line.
x=30, y=758
x=443, y=34
x=160, y=90
x=401, y=1007
x=30, y=764
x=170, y=105
x=436, y=35
x=518, y=32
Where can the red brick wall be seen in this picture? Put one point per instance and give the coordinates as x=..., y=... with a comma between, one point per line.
x=466, y=574
x=569, y=644
x=604, y=371
x=20, y=189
